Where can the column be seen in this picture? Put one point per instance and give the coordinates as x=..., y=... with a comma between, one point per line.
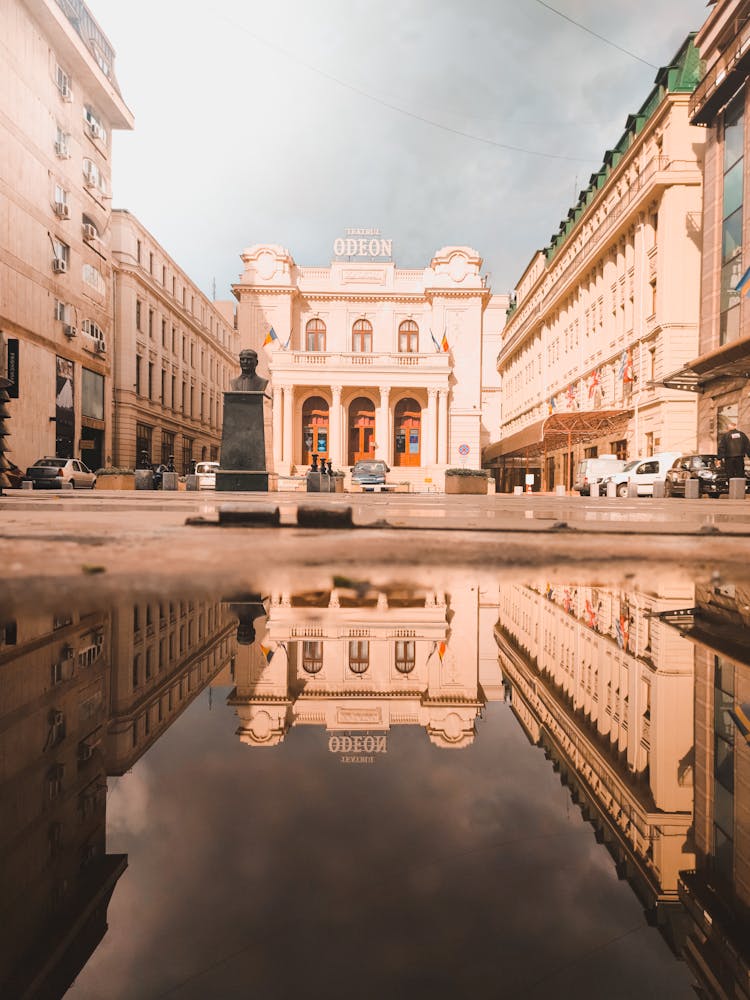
x=382, y=426
x=276, y=427
x=443, y=427
x=334, y=427
x=429, y=429
x=288, y=427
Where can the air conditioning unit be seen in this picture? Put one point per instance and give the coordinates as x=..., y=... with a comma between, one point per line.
x=66, y=92
x=61, y=148
x=59, y=266
x=69, y=331
x=95, y=130
x=89, y=178
x=62, y=209
x=56, y=717
x=100, y=347
x=89, y=231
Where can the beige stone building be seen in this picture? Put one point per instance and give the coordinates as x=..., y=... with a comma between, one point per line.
x=720, y=369
x=369, y=360
x=606, y=688
x=175, y=351
x=610, y=307
x=60, y=104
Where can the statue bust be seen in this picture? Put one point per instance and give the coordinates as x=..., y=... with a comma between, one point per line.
x=248, y=381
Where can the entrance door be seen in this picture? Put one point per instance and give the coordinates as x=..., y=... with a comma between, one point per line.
x=314, y=429
x=92, y=447
x=361, y=430
x=407, y=424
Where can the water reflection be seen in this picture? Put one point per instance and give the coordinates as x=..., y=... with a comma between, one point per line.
x=634, y=698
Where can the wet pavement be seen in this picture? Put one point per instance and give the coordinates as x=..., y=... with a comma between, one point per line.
x=374, y=761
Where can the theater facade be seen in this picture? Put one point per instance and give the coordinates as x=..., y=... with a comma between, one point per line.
x=371, y=361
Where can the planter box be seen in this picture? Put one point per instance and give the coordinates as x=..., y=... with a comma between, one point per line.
x=473, y=485
x=124, y=482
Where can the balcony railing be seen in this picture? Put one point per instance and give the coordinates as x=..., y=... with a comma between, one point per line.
x=721, y=73
x=320, y=359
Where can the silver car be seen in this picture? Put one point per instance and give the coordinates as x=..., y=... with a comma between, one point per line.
x=51, y=473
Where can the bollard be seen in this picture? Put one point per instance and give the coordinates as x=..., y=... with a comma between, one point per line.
x=737, y=489
x=632, y=489
x=594, y=490
x=169, y=480
x=27, y=484
x=560, y=491
x=313, y=481
x=191, y=483
x=67, y=486
x=658, y=492
x=611, y=489
x=144, y=479
x=518, y=491
x=692, y=489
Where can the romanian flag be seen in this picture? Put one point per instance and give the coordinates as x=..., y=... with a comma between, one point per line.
x=444, y=343
x=594, y=382
x=441, y=650
x=435, y=342
x=591, y=615
x=270, y=337
x=741, y=717
x=743, y=285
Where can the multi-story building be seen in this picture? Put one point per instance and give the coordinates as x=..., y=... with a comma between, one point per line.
x=56, y=877
x=368, y=360
x=175, y=353
x=606, y=688
x=60, y=103
x=720, y=369
x=359, y=664
x=611, y=305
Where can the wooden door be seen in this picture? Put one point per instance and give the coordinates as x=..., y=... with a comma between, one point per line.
x=407, y=445
x=361, y=430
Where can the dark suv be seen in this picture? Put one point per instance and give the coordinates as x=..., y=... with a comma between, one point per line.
x=707, y=469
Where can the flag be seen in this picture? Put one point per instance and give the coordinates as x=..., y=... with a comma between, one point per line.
x=441, y=650
x=743, y=285
x=552, y=404
x=549, y=592
x=591, y=615
x=594, y=382
x=741, y=718
x=628, y=373
x=623, y=363
x=571, y=397
x=444, y=343
x=288, y=341
x=435, y=342
x=270, y=337
x=267, y=652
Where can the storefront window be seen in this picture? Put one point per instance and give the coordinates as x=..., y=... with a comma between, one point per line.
x=731, y=229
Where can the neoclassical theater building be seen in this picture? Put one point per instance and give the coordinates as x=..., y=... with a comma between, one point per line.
x=368, y=360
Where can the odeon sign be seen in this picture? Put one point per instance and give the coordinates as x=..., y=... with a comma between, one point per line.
x=357, y=744
x=362, y=243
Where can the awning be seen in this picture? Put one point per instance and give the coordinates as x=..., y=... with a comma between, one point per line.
x=729, y=361
x=554, y=431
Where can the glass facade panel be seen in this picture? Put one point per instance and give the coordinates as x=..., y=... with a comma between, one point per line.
x=733, y=188
x=731, y=235
x=734, y=132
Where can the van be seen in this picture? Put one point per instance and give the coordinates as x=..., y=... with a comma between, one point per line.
x=594, y=470
x=644, y=471
x=206, y=473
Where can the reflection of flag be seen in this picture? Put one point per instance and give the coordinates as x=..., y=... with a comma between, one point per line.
x=594, y=382
x=621, y=631
x=567, y=601
x=439, y=648
x=267, y=652
x=741, y=717
x=591, y=615
x=743, y=285
x=549, y=593
x=570, y=395
x=552, y=404
x=270, y=337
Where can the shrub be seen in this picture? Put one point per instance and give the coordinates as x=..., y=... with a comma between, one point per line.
x=110, y=471
x=476, y=473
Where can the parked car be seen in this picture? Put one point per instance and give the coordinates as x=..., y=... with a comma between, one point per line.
x=595, y=470
x=206, y=473
x=369, y=472
x=51, y=473
x=707, y=469
x=644, y=472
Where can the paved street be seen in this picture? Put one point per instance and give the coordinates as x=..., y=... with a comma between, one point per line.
x=102, y=542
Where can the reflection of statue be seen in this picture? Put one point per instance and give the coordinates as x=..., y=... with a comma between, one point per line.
x=248, y=381
x=247, y=613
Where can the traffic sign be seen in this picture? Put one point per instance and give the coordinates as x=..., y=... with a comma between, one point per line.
x=463, y=449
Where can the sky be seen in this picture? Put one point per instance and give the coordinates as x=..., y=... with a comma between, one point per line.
x=437, y=122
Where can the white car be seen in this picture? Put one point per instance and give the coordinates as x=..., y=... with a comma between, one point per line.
x=206, y=473
x=644, y=472
x=51, y=473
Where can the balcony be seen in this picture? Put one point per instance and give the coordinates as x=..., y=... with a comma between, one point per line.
x=350, y=366
x=722, y=79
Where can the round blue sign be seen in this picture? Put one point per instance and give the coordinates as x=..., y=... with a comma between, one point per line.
x=463, y=449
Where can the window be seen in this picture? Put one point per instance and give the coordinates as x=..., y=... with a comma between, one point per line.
x=619, y=448
x=362, y=337
x=62, y=143
x=94, y=124
x=731, y=227
x=92, y=394
x=405, y=659
x=61, y=252
x=312, y=656
x=359, y=655
x=139, y=250
x=136, y=671
x=63, y=83
x=150, y=380
x=408, y=337
x=94, y=278
x=315, y=335
x=61, y=311
x=163, y=333
x=93, y=177
x=151, y=322
x=163, y=395
x=138, y=314
x=62, y=209
x=138, y=362
x=150, y=263
x=187, y=456
x=167, y=447
x=143, y=439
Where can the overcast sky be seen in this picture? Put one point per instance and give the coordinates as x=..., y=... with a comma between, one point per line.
x=288, y=122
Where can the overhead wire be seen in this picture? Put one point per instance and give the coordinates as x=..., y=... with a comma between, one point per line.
x=590, y=31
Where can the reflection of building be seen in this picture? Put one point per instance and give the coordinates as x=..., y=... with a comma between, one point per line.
x=611, y=305
x=606, y=689
x=720, y=371
x=60, y=104
x=176, y=353
x=163, y=655
x=717, y=893
x=55, y=875
x=355, y=370
x=363, y=663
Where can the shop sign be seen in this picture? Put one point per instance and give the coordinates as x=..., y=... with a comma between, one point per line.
x=362, y=243
x=357, y=748
x=13, y=358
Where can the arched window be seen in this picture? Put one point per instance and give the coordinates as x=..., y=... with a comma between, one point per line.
x=405, y=656
x=312, y=656
x=314, y=428
x=408, y=337
x=359, y=655
x=362, y=337
x=315, y=335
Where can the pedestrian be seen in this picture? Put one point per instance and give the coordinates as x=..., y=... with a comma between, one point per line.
x=733, y=446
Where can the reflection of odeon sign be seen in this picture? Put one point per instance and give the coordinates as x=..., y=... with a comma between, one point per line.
x=362, y=243
x=357, y=744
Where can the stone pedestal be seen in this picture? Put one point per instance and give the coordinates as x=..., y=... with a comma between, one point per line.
x=169, y=480
x=594, y=490
x=611, y=490
x=632, y=489
x=243, y=445
x=658, y=493
x=737, y=489
x=692, y=489
x=144, y=479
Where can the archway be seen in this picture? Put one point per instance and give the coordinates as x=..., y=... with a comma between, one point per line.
x=407, y=426
x=314, y=429
x=361, y=430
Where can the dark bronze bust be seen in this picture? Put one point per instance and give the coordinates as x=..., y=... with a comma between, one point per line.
x=248, y=381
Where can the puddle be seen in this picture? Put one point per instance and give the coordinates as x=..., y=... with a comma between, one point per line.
x=358, y=790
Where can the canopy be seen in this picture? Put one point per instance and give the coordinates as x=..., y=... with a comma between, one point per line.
x=554, y=432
